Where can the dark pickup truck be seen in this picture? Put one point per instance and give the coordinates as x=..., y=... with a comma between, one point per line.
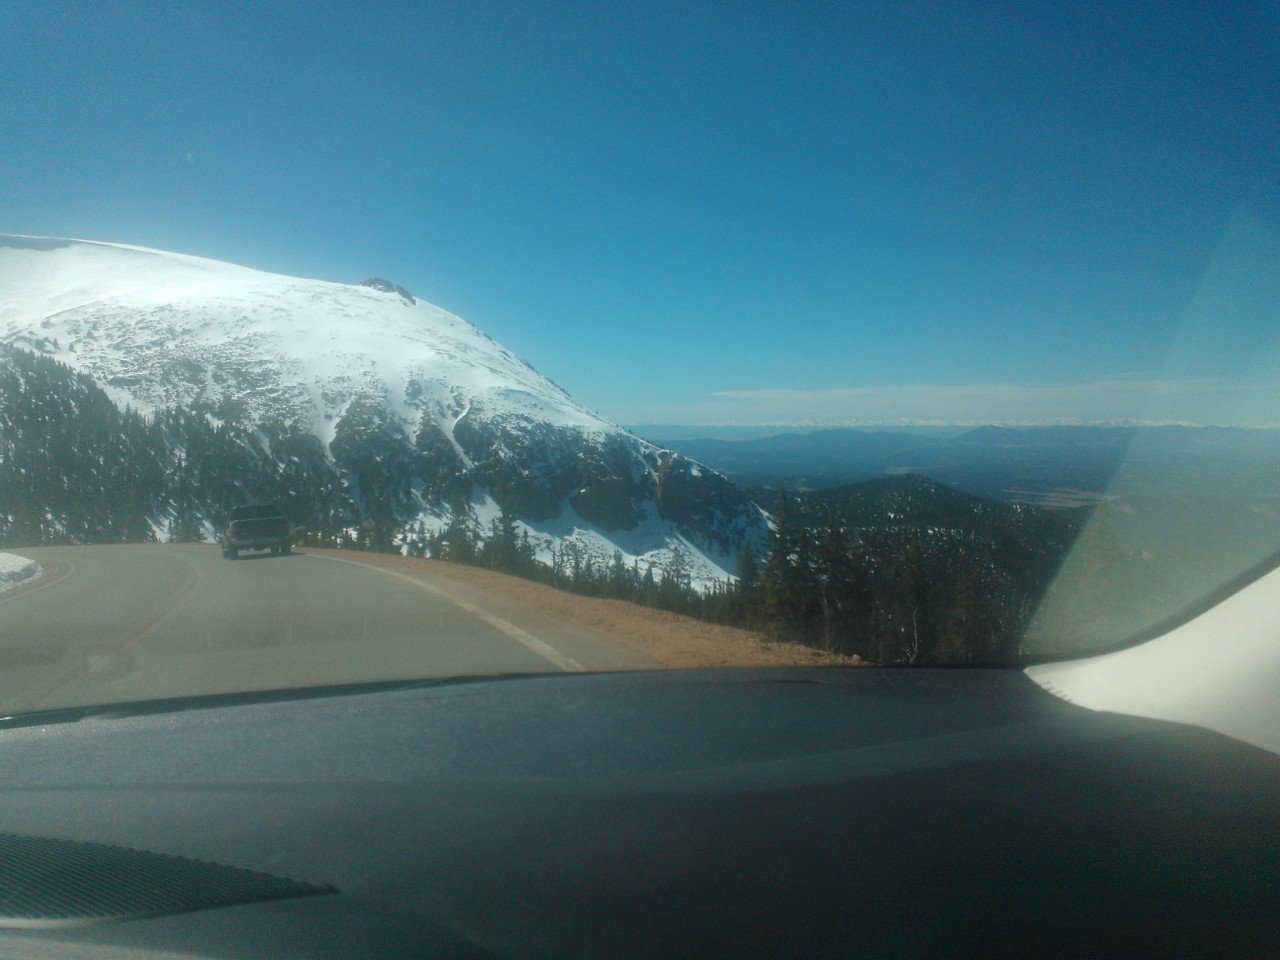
x=258, y=527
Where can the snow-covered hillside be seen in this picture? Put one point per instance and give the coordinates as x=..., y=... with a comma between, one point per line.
x=165, y=329
x=421, y=417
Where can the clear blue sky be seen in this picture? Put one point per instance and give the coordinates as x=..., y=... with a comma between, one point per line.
x=687, y=212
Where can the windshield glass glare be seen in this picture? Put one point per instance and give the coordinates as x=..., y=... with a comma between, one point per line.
x=383, y=343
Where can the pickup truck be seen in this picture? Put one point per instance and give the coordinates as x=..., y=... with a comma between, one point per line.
x=257, y=527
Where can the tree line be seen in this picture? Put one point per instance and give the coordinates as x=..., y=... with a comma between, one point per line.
x=902, y=571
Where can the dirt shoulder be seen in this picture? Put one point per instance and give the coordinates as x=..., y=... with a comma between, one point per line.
x=673, y=640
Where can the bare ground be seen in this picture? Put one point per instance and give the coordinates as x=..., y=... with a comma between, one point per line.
x=673, y=640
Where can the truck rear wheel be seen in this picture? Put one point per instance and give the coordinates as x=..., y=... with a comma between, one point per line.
x=233, y=553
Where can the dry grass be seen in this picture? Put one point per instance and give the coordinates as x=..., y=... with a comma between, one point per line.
x=673, y=640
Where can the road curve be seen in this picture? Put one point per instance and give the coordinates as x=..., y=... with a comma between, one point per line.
x=114, y=623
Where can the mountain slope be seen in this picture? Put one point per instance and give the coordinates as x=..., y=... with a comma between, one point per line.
x=400, y=414
x=166, y=329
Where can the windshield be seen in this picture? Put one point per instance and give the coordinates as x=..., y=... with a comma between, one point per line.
x=377, y=343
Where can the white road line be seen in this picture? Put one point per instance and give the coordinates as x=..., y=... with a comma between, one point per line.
x=523, y=637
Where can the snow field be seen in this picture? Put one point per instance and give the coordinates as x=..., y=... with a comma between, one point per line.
x=298, y=349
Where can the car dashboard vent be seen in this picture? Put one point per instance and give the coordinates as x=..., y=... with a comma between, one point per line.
x=46, y=882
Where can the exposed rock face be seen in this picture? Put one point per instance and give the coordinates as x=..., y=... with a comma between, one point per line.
x=690, y=495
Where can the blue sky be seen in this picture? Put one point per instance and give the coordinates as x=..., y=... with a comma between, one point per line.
x=684, y=213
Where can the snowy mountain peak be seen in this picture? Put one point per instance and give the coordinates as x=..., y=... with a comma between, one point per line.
x=166, y=329
x=420, y=416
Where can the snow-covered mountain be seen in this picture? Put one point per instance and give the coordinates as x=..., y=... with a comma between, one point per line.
x=417, y=419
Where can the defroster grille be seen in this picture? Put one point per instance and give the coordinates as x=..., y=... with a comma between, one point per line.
x=50, y=882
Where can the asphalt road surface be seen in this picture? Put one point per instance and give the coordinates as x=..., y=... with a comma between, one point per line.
x=108, y=624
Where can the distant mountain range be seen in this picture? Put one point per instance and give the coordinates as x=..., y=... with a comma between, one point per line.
x=1058, y=466
x=371, y=415
x=1184, y=510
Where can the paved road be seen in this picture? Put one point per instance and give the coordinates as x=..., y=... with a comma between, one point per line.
x=114, y=623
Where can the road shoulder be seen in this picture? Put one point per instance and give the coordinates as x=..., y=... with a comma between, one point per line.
x=670, y=639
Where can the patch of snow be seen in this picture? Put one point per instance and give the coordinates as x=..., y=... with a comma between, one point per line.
x=15, y=570
x=651, y=544
x=485, y=510
x=160, y=528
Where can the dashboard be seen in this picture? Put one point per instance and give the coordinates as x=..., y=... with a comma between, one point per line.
x=859, y=812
